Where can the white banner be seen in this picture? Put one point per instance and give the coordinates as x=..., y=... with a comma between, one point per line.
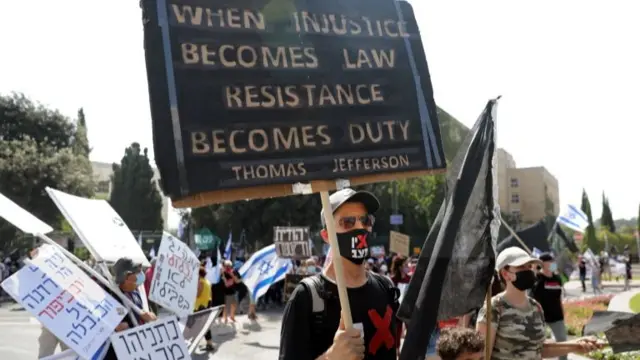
x=175, y=278
x=66, y=301
x=21, y=218
x=161, y=339
x=99, y=227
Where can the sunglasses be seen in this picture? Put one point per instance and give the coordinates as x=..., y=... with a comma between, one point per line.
x=349, y=222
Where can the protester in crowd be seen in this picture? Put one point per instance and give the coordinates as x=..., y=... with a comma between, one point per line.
x=400, y=270
x=460, y=343
x=627, y=273
x=509, y=338
x=312, y=326
x=548, y=293
x=595, y=277
x=230, y=279
x=204, y=301
x=312, y=268
x=582, y=269
x=128, y=277
x=460, y=321
x=148, y=278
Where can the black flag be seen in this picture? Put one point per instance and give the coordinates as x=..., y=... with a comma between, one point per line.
x=534, y=236
x=457, y=260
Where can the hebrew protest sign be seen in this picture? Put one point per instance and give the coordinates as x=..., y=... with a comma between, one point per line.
x=66, y=301
x=316, y=90
x=399, y=243
x=175, y=278
x=292, y=241
x=161, y=339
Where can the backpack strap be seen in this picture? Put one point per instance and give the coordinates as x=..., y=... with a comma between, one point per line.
x=315, y=288
x=392, y=290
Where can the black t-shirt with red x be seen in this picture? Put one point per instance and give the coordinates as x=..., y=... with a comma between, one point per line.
x=302, y=339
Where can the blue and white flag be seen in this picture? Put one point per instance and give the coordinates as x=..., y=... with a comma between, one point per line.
x=227, y=248
x=263, y=269
x=536, y=252
x=574, y=218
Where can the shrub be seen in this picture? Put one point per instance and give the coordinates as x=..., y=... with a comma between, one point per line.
x=578, y=313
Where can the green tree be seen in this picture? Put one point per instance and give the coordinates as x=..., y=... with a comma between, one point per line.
x=590, y=234
x=607, y=218
x=36, y=151
x=135, y=194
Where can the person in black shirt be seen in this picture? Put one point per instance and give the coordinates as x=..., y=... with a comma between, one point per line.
x=231, y=281
x=312, y=326
x=548, y=292
x=582, y=267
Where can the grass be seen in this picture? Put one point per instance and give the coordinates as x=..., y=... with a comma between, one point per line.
x=578, y=313
x=634, y=303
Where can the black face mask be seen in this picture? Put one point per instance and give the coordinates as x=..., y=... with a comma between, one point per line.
x=524, y=280
x=354, y=245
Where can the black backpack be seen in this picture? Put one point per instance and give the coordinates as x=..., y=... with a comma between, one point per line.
x=315, y=286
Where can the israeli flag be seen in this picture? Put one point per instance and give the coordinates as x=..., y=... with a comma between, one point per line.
x=574, y=219
x=227, y=248
x=536, y=252
x=263, y=269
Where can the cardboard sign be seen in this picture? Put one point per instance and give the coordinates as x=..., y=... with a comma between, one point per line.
x=99, y=227
x=175, y=278
x=399, y=243
x=66, y=301
x=161, y=339
x=292, y=241
x=247, y=95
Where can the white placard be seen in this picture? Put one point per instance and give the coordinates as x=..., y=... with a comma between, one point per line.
x=175, y=278
x=66, y=301
x=161, y=339
x=21, y=218
x=99, y=227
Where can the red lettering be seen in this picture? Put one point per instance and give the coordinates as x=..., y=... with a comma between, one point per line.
x=383, y=330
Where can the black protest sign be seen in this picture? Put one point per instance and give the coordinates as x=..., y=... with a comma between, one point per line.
x=292, y=241
x=253, y=93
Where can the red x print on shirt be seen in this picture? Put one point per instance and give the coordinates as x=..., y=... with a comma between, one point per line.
x=362, y=241
x=383, y=330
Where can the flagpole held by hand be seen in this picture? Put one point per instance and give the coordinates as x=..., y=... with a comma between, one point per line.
x=337, y=264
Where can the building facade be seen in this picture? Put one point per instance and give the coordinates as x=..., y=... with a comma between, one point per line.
x=528, y=194
x=102, y=176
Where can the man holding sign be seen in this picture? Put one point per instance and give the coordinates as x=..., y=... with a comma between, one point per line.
x=312, y=327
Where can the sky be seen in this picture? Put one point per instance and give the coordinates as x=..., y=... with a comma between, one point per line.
x=568, y=71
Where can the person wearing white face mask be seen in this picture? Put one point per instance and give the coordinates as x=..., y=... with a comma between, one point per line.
x=548, y=292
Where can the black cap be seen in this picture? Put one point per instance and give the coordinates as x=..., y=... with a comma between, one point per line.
x=340, y=197
x=546, y=256
x=124, y=267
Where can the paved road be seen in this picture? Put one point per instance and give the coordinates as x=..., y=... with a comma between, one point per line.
x=19, y=338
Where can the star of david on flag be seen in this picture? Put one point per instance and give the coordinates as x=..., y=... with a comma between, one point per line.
x=573, y=218
x=263, y=269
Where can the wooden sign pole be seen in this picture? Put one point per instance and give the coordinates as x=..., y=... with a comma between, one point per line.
x=337, y=263
x=487, y=338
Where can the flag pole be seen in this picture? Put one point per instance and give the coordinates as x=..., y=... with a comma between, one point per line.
x=513, y=232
